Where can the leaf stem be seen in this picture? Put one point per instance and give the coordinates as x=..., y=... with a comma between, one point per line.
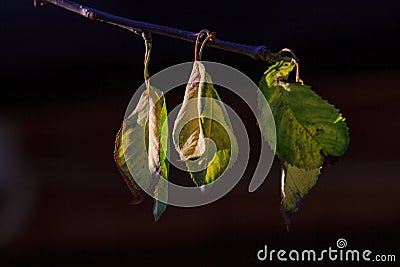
x=255, y=52
x=295, y=60
x=198, y=52
x=148, y=45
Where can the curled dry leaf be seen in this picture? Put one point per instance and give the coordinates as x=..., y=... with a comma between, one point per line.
x=142, y=147
x=203, y=133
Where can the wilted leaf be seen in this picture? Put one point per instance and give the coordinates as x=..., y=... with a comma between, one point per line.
x=141, y=148
x=158, y=150
x=119, y=158
x=203, y=134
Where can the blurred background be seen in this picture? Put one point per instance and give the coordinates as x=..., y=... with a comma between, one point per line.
x=66, y=82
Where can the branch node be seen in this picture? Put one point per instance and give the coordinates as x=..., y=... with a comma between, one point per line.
x=136, y=31
x=265, y=55
x=147, y=37
x=38, y=3
x=90, y=14
x=212, y=37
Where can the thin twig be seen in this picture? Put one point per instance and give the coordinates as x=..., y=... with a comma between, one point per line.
x=255, y=52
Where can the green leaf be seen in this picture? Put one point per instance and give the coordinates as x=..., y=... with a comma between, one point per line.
x=278, y=72
x=295, y=185
x=308, y=127
x=142, y=147
x=202, y=132
x=309, y=131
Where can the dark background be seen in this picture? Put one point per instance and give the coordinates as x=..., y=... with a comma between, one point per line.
x=65, y=84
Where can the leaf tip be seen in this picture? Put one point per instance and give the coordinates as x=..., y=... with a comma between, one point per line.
x=287, y=215
x=158, y=209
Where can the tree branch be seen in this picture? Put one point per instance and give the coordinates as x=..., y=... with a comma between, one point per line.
x=255, y=52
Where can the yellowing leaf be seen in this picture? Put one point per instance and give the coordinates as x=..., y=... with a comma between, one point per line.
x=119, y=158
x=203, y=133
x=295, y=185
x=141, y=149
